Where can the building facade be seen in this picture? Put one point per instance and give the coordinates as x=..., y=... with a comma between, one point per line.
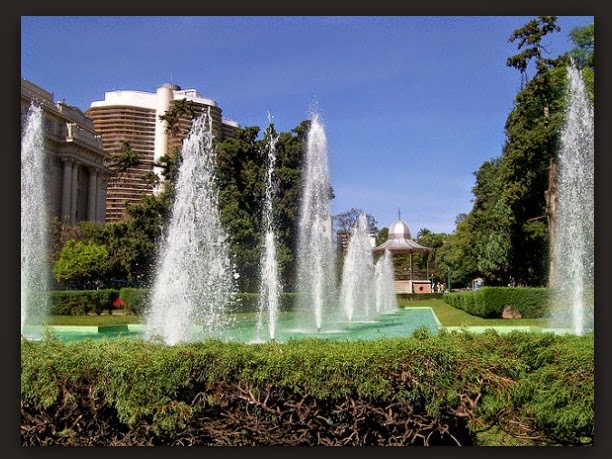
x=76, y=176
x=133, y=117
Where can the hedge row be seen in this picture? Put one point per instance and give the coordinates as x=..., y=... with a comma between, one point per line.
x=80, y=302
x=419, y=296
x=136, y=300
x=423, y=390
x=489, y=302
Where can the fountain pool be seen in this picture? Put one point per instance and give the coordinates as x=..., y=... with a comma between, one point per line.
x=397, y=323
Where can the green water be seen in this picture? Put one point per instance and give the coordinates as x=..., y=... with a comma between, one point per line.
x=399, y=323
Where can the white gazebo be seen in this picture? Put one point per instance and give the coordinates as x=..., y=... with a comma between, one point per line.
x=400, y=242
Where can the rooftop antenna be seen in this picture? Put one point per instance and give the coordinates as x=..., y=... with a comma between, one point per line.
x=399, y=214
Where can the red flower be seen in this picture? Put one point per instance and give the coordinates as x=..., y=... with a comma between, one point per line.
x=118, y=303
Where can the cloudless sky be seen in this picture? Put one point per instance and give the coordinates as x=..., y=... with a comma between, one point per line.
x=412, y=105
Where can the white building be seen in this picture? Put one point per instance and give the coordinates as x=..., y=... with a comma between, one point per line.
x=134, y=117
x=76, y=176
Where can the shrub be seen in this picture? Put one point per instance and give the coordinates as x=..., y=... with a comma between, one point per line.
x=425, y=389
x=489, y=302
x=82, y=302
x=419, y=296
x=135, y=299
x=249, y=302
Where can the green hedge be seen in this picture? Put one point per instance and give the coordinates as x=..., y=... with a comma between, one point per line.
x=248, y=302
x=82, y=302
x=425, y=389
x=136, y=300
x=419, y=296
x=489, y=302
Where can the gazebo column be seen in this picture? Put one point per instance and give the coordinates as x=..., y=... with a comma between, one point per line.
x=411, y=270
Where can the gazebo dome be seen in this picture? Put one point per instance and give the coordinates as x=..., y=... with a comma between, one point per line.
x=399, y=230
x=400, y=240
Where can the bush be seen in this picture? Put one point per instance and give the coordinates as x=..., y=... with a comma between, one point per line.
x=419, y=296
x=135, y=299
x=489, y=302
x=249, y=302
x=426, y=389
x=82, y=302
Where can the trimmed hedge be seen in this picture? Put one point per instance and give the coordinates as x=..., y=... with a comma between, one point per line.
x=82, y=302
x=248, y=302
x=135, y=299
x=423, y=390
x=489, y=302
x=419, y=296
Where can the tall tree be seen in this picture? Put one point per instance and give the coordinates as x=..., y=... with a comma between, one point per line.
x=346, y=221
x=529, y=165
x=584, y=52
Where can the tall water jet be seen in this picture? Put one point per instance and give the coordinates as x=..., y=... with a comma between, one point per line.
x=194, y=282
x=315, y=255
x=384, y=288
x=356, y=293
x=573, y=250
x=269, y=285
x=34, y=226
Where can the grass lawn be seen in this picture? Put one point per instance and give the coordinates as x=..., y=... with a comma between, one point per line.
x=453, y=317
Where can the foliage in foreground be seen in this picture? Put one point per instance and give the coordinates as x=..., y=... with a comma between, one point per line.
x=443, y=389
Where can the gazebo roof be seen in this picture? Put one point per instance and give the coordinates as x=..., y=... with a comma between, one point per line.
x=399, y=241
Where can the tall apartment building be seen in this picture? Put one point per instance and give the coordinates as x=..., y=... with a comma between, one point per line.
x=75, y=178
x=134, y=117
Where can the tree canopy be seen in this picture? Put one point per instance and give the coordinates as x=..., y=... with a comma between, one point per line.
x=506, y=236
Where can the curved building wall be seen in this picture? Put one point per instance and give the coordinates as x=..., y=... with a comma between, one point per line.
x=136, y=126
x=133, y=117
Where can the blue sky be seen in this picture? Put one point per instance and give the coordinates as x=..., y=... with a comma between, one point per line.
x=412, y=105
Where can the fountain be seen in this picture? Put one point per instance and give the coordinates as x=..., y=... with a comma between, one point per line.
x=573, y=249
x=384, y=288
x=356, y=292
x=34, y=226
x=194, y=281
x=194, y=285
x=270, y=285
x=315, y=255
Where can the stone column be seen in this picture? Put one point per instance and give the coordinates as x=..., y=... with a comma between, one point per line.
x=92, y=196
x=66, y=187
x=73, y=193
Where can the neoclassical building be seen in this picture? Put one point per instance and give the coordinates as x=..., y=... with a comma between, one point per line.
x=134, y=117
x=76, y=177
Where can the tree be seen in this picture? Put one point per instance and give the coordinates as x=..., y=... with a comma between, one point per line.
x=429, y=261
x=530, y=37
x=458, y=256
x=241, y=166
x=382, y=236
x=82, y=264
x=347, y=220
x=119, y=163
x=181, y=109
x=584, y=52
